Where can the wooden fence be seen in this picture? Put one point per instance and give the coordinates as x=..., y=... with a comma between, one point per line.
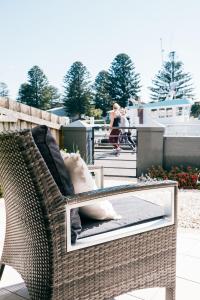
x=15, y=115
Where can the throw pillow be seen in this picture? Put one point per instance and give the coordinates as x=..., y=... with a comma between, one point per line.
x=83, y=182
x=53, y=159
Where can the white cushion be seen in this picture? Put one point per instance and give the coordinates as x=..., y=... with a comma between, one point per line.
x=83, y=182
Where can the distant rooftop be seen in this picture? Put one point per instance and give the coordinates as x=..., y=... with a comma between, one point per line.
x=165, y=103
x=59, y=111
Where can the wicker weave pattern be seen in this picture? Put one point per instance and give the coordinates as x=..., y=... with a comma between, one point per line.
x=142, y=261
x=35, y=242
x=27, y=184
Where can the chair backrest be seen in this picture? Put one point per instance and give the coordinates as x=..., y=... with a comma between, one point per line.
x=31, y=195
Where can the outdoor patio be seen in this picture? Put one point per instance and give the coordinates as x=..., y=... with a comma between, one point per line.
x=188, y=266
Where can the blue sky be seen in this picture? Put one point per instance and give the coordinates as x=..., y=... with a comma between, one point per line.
x=54, y=34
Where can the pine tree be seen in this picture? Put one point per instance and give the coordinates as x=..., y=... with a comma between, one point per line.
x=102, y=97
x=77, y=91
x=195, y=110
x=171, y=79
x=37, y=92
x=3, y=90
x=55, y=99
x=124, y=81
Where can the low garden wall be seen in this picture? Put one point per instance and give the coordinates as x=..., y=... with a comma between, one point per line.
x=183, y=151
x=156, y=149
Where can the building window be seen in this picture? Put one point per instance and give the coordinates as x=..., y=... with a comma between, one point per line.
x=169, y=112
x=162, y=113
x=154, y=112
x=179, y=111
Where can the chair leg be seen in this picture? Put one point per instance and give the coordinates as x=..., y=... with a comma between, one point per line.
x=2, y=266
x=170, y=293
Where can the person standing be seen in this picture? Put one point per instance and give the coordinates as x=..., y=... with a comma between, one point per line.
x=130, y=141
x=126, y=132
x=115, y=119
x=124, y=124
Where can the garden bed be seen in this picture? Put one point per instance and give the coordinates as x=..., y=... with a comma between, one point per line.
x=187, y=177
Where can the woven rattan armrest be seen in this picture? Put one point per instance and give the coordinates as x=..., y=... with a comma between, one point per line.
x=95, y=196
x=116, y=190
x=91, y=195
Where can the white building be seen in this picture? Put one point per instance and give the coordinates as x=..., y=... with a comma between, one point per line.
x=165, y=112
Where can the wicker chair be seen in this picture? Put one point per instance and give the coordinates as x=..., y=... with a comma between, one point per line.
x=35, y=242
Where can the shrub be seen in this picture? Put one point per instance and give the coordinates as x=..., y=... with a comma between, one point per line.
x=95, y=112
x=187, y=178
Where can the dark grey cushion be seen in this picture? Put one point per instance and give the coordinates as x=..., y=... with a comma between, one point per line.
x=133, y=211
x=51, y=155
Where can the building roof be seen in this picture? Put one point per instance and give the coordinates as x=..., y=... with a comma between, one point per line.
x=59, y=111
x=79, y=124
x=165, y=103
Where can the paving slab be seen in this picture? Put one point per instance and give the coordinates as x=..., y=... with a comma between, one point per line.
x=188, y=268
x=7, y=295
x=147, y=294
x=186, y=290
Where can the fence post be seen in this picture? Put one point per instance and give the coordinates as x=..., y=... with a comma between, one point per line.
x=77, y=136
x=150, y=147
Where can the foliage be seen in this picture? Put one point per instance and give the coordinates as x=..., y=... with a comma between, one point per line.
x=54, y=96
x=187, y=178
x=195, y=110
x=75, y=149
x=124, y=81
x=64, y=150
x=3, y=90
x=37, y=92
x=171, y=78
x=102, y=98
x=77, y=93
x=95, y=112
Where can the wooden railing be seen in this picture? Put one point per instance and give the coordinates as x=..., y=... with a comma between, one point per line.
x=15, y=115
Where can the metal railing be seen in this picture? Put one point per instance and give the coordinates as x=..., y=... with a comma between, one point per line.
x=117, y=161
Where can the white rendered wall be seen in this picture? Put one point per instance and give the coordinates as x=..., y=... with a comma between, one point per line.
x=148, y=116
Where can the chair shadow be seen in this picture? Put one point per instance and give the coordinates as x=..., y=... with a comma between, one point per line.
x=19, y=290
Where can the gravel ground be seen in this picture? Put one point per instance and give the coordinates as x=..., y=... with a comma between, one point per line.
x=189, y=209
